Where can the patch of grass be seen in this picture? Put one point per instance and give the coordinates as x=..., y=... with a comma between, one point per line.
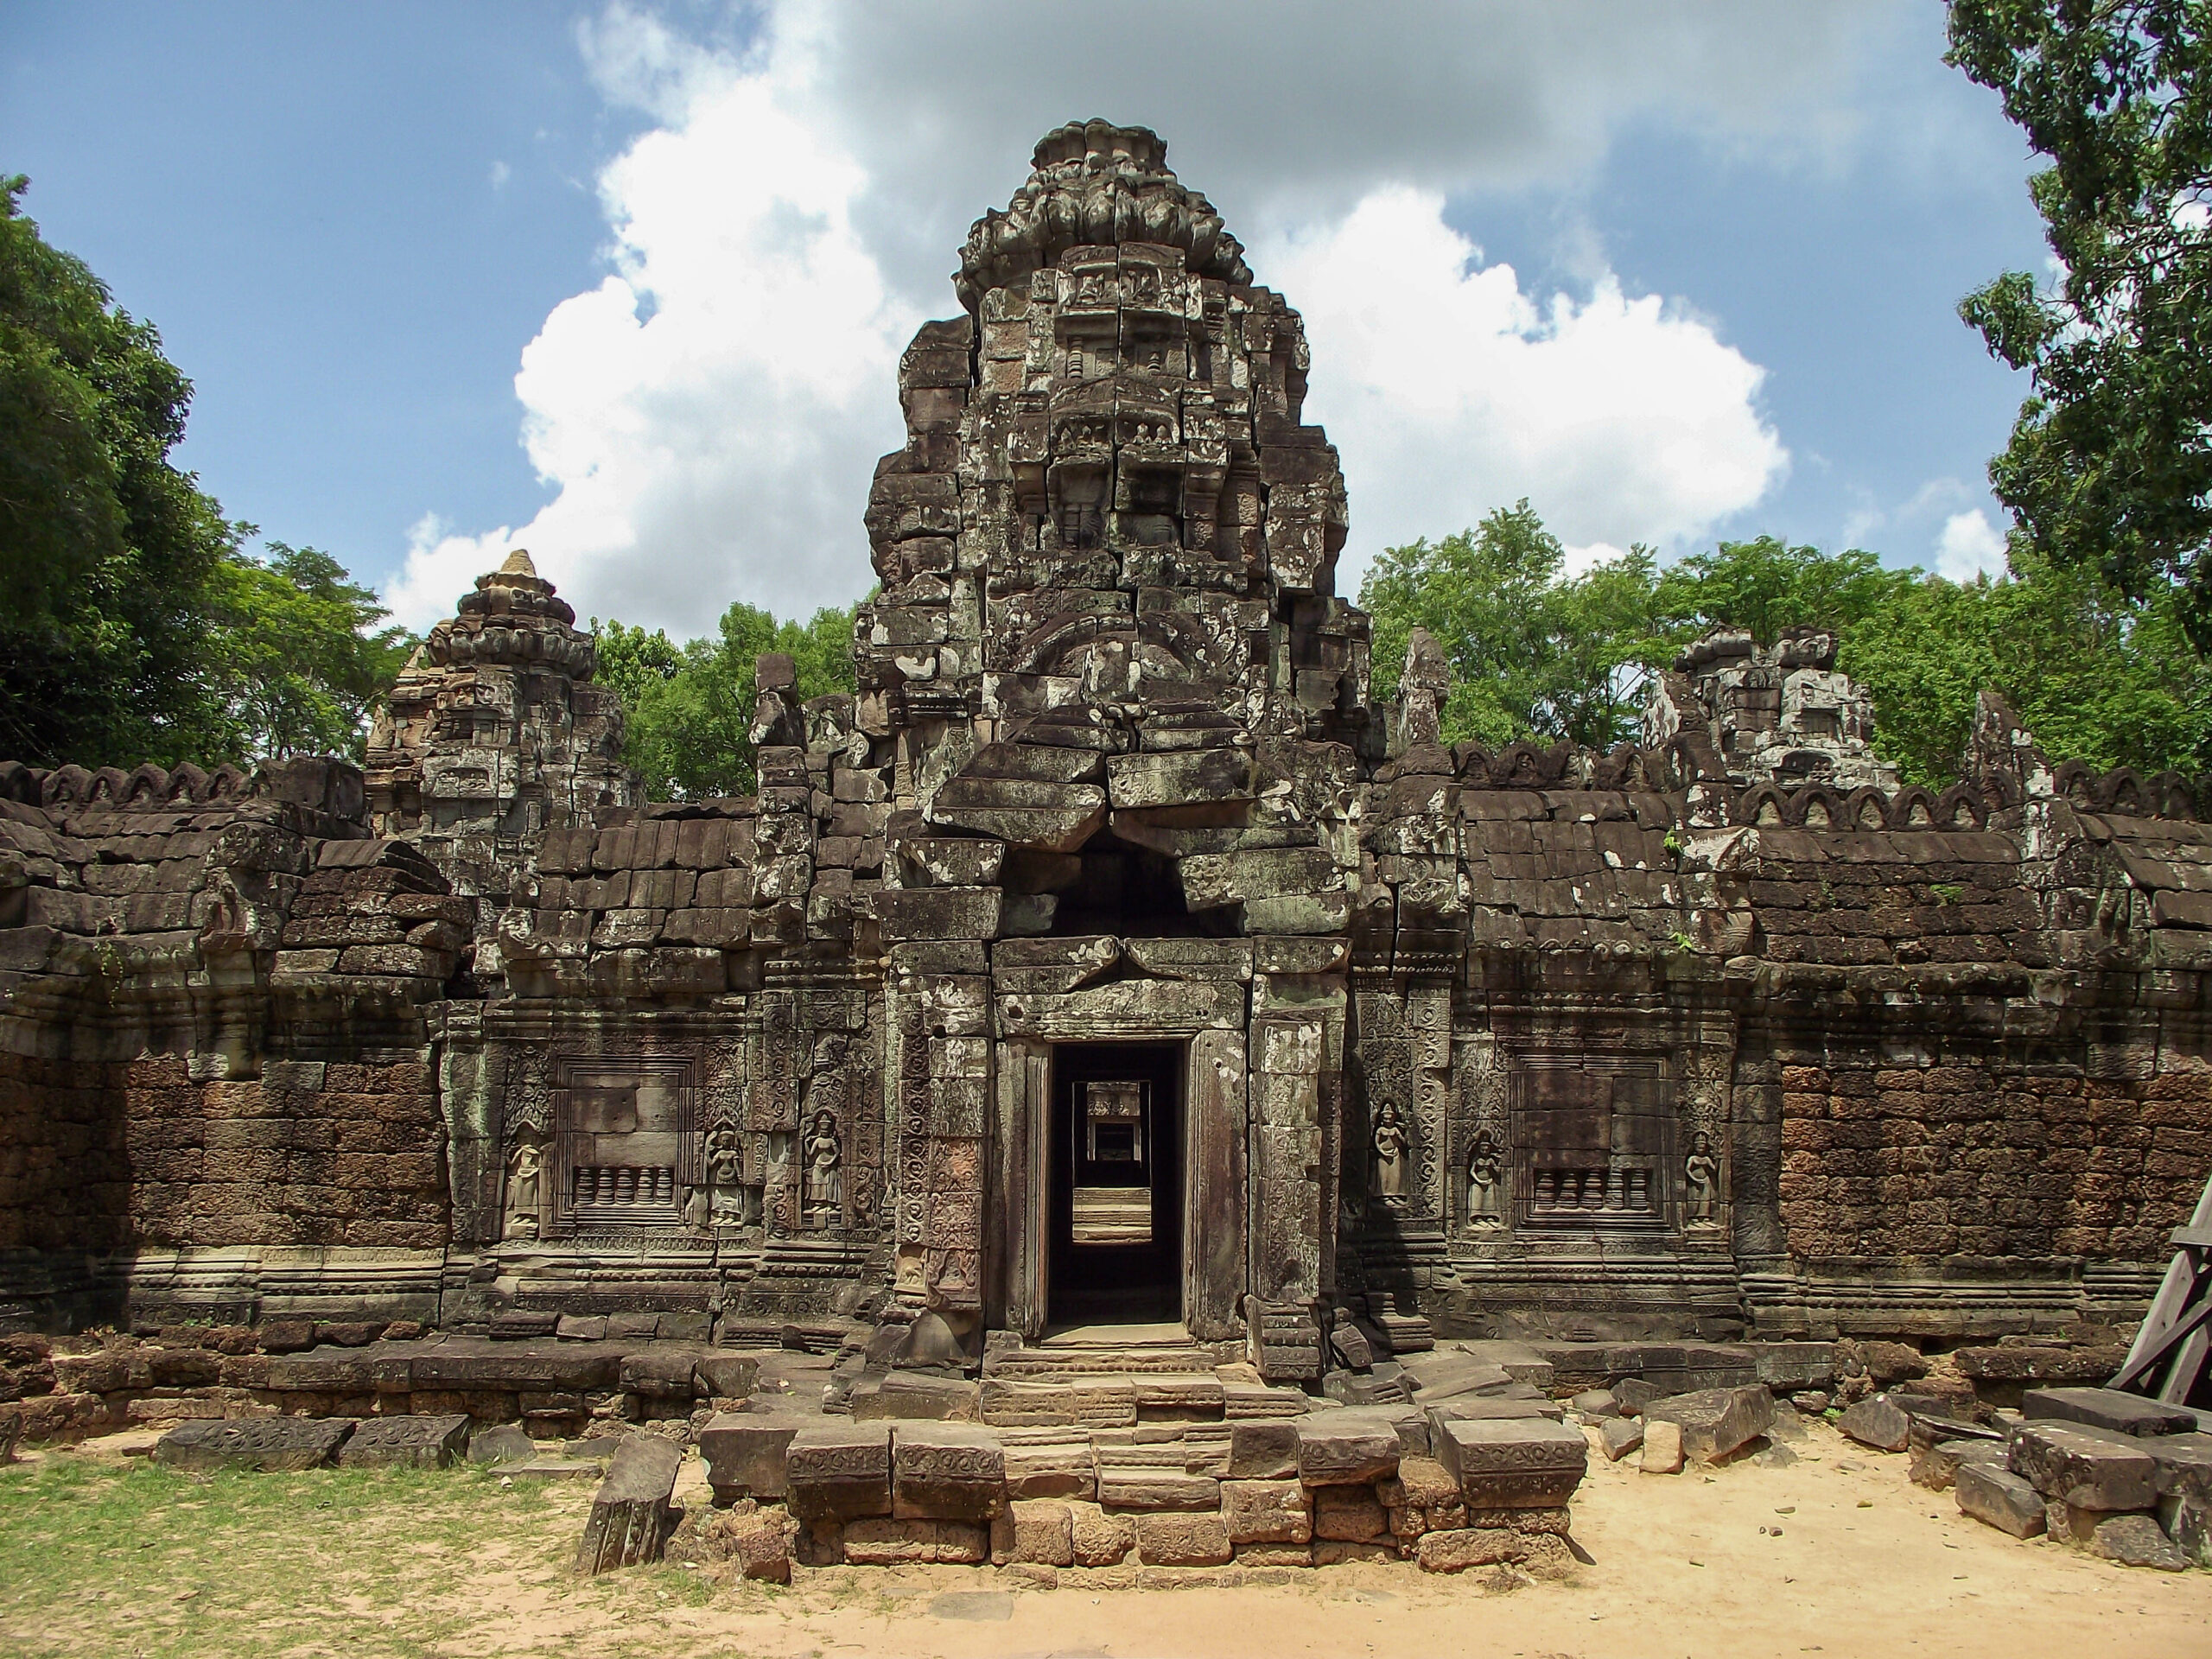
x=106, y=1558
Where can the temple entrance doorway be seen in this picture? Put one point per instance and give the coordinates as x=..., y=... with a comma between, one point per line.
x=1116, y=1190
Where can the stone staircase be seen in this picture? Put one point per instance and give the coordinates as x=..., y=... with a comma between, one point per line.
x=1111, y=1378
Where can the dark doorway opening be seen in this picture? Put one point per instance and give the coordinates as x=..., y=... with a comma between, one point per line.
x=1117, y=1183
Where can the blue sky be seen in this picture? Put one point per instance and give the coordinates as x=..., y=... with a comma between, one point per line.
x=1672, y=273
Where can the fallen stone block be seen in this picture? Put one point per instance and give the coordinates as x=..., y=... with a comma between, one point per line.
x=839, y=1471
x=946, y=1471
x=406, y=1442
x=1633, y=1393
x=1620, y=1436
x=761, y=1546
x=1267, y=1511
x=260, y=1443
x=1715, y=1421
x=744, y=1453
x=1457, y=1550
x=554, y=1468
x=1662, y=1449
x=1999, y=1497
x=882, y=1541
x=2087, y=1470
x=1343, y=1448
x=1936, y=1467
x=631, y=1515
x=2136, y=1540
x=2107, y=1408
x=661, y=1374
x=1875, y=1422
x=1526, y=1463
x=1183, y=1541
x=1596, y=1402
x=506, y=1443
x=725, y=1376
x=2187, y=1518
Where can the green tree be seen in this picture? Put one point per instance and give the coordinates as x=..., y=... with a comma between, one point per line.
x=107, y=552
x=294, y=658
x=2094, y=675
x=2110, y=463
x=1534, y=653
x=1766, y=587
x=690, y=707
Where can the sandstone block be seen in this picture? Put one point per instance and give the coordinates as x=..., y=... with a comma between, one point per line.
x=1041, y=1530
x=761, y=1546
x=406, y=1442
x=2187, y=1518
x=1273, y=1554
x=630, y=1516
x=2136, y=1540
x=508, y=1443
x=1999, y=1497
x=1121, y=1487
x=1620, y=1436
x=1267, y=1512
x=1183, y=1541
x=1345, y=1448
x=1875, y=1422
x=1264, y=1450
x=1421, y=1481
x=882, y=1541
x=1662, y=1449
x=2107, y=1408
x=744, y=1453
x=1099, y=1539
x=1715, y=1421
x=1937, y=1467
x=2088, y=1470
x=1468, y=1547
x=260, y=1443
x=838, y=1470
x=947, y=1471
x=1337, y=1552
x=1513, y=1464
x=1049, y=1468
x=725, y=1376
x=1348, y=1513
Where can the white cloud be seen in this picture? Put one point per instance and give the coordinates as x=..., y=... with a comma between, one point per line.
x=1450, y=391
x=707, y=416
x=500, y=174
x=1969, y=546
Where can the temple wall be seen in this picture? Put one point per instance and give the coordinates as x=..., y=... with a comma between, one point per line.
x=66, y=1179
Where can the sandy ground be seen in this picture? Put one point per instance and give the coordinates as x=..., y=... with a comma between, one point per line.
x=1839, y=1554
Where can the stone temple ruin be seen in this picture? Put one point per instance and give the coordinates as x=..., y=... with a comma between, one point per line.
x=1112, y=958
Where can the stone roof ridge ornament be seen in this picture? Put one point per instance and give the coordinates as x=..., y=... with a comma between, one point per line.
x=1095, y=184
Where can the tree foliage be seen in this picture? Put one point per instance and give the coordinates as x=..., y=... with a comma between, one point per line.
x=1539, y=654
x=689, y=706
x=2110, y=463
x=133, y=626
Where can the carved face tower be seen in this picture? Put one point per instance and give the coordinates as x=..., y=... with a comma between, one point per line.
x=1106, y=494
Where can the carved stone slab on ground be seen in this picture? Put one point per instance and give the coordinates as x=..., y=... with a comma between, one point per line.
x=411, y=1442
x=630, y=1516
x=261, y=1443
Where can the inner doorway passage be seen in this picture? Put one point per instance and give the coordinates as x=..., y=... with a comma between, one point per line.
x=1116, y=1183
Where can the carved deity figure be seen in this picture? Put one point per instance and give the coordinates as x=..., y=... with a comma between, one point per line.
x=525, y=1189
x=1483, y=1178
x=1701, y=1174
x=725, y=1170
x=698, y=1208
x=1390, y=1158
x=822, y=1195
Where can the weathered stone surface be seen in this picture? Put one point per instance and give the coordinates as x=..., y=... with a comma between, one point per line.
x=2090, y=1366
x=1457, y=1550
x=1936, y=1466
x=725, y=1376
x=1345, y=1448
x=946, y=1471
x=1622, y=1435
x=880, y=1540
x=2136, y=1540
x=1715, y=1421
x=505, y=1443
x=744, y=1453
x=1349, y=1512
x=2109, y=1408
x=761, y=1546
x=1183, y=1541
x=1523, y=1463
x=1662, y=1449
x=261, y=1443
x=1041, y=1530
x=1995, y=1495
x=1099, y=1539
x=1124, y=1487
x=631, y=1515
x=408, y=1442
x=2090, y=1471
x=1875, y=1422
x=838, y=1472
x=1267, y=1512
x=1263, y=1450
x=2187, y=1518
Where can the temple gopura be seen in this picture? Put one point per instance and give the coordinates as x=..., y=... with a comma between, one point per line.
x=1113, y=955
